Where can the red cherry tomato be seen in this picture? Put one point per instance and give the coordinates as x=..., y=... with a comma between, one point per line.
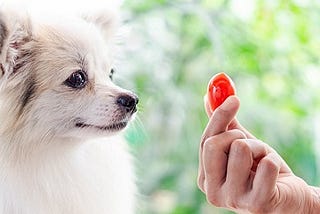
x=219, y=88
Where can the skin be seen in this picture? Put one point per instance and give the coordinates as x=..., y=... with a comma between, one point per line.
x=243, y=174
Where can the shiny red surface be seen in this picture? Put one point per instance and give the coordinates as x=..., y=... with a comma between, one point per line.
x=219, y=88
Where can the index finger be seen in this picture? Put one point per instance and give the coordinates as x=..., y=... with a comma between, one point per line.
x=218, y=123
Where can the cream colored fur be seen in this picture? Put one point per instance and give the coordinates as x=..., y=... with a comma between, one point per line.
x=48, y=164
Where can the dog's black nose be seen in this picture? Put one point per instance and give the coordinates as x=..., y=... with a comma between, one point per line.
x=129, y=102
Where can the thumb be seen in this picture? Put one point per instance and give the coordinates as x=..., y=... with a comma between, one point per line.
x=222, y=116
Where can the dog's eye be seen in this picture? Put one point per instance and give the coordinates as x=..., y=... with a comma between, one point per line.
x=111, y=74
x=77, y=79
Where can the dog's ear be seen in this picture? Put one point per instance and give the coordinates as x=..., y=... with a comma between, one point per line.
x=107, y=21
x=15, y=32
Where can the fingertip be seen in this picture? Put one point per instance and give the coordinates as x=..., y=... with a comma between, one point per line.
x=235, y=98
x=231, y=103
x=241, y=134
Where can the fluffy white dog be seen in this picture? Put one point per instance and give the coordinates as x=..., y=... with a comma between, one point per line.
x=60, y=118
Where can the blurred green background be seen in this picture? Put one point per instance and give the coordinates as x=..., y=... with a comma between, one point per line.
x=270, y=49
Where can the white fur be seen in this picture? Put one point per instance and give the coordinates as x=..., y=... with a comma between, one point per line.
x=48, y=165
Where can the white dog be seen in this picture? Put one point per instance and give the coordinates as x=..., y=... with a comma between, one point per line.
x=60, y=115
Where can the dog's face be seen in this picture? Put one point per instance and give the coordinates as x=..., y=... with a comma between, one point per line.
x=56, y=80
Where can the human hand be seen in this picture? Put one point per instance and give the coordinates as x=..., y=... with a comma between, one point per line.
x=243, y=174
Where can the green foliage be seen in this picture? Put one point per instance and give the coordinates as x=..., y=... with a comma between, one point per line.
x=271, y=50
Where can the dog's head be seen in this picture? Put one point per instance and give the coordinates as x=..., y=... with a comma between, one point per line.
x=56, y=78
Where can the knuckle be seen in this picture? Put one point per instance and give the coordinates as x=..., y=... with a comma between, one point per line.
x=206, y=141
x=214, y=199
x=209, y=144
x=239, y=146
x=239, y=133
x=265, y=146
x=260, y=142
x=232, y=203
x=269, y=165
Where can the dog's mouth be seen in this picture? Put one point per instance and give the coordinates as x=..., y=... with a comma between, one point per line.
x=113, y=127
